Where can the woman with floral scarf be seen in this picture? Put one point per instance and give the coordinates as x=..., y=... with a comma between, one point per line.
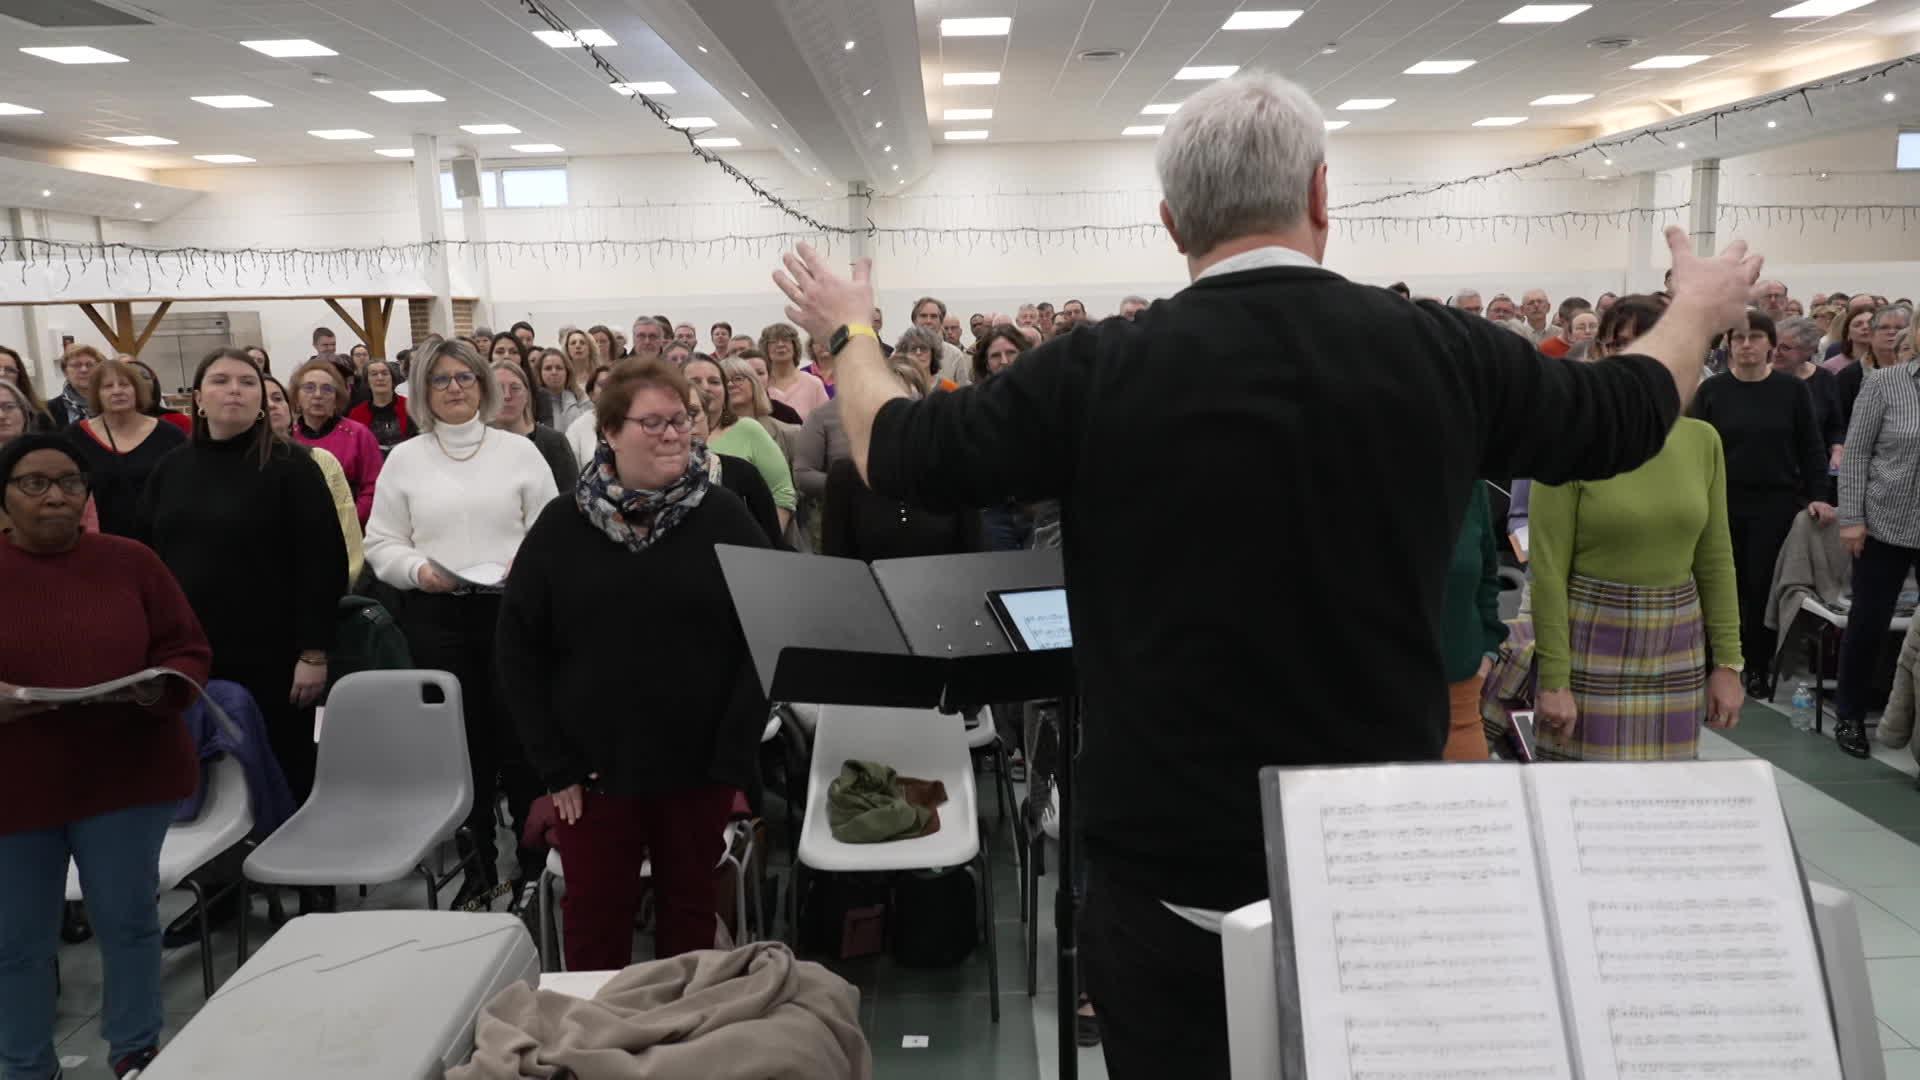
x=626, y=672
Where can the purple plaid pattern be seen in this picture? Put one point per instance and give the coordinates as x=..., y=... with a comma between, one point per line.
x=1639, y=675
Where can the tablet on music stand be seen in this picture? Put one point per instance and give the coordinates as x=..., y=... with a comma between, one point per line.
x=1034, y=619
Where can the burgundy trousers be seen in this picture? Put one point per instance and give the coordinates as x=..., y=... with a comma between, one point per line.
x=602, y=852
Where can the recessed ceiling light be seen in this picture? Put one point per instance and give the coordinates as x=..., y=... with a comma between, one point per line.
x=1819, y=9
x=1607, y=161
x=234, y=101
x=288, y=47
x=1773, y=123
x=490, y=129
x=879, y=123
x=224, y=159
x=655, y=89
x=1161, y=110
x=538, y=148
x=46, y=193
x=1682, y=146
x=1364, y=103
x=1888, y=97
x=866, y=92
x=564, y=39
x=1561, y=99
x=995, y=26
x=1543, y=13
x=796, y=149
x=1499, y=121
x=887, y=149
x=848, y=45
x=717, y=141
x=396, y=151
x=970, y=78
x=1220, y=71
x=1143, y=129
x=1654, y=63
x=339, y=133
x=702, y=48
x=692, y=122
x=967, y=114
x=75, y=54
x=1260, y=20
x=744, y=94
x=1336, y=125
x=8, y=108
x=1438, y=67
x=138, y=206
x=966, y=136
x=142, y=140
x=406, y=97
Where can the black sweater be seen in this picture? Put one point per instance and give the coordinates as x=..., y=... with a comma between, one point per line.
x=559, y=454
x=1828, y=413
x=257, y=549
x=1255, y=555
x=630, y=665
x=119, y=478
x=857, y=524
x=741, y=477
x=1776, y=456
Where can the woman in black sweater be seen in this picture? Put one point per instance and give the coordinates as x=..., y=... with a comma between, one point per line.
x=857, y=524
x=245, y=522
x=737, y=475
x=618, y=576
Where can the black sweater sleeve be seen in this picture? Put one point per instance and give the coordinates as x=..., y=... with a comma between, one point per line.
x=523, y=644
x=318, y=551
x=740, y=477
x=1809, y=443
x=1557, y=420
x=836, y=517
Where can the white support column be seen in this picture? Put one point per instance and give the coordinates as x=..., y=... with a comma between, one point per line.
x=41, y=355
x=1706, y=205
x=473, y=225
x=857, y=219
x=1642, y=229
x=433, y=231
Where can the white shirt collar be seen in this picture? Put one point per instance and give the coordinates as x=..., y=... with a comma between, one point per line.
x=1260, y=258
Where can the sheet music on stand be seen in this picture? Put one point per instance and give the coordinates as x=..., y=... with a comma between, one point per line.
x=1587, y=921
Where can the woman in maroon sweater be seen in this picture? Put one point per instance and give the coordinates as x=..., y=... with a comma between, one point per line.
x=95, y=783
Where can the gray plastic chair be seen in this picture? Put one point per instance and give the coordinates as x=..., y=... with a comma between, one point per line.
x=392, y=784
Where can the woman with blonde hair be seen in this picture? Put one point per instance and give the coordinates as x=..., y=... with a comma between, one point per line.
x=13, y=371
x=563, y=374
x=786, y=381
x=121, y=443
x=77, y=365
x=742, y=436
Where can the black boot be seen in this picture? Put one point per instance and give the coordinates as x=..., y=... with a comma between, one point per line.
x=185, y=930
x=1851, y=735
x=74, y=927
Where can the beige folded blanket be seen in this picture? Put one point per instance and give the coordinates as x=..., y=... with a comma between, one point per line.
x=754, y=1013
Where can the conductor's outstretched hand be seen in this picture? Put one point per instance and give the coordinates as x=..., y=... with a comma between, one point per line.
x=1715, y=287
x=823, y=301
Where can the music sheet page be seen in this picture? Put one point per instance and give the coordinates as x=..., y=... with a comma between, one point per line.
x=1418, y=925
x=1684, y=933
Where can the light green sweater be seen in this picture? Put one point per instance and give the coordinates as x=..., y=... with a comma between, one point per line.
x=1660, y=524
x=747, y=439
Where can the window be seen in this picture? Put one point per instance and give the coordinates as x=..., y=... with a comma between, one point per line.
x=512, y=188
x=1909, y=153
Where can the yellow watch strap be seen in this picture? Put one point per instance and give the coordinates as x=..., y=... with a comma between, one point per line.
x=857, y=329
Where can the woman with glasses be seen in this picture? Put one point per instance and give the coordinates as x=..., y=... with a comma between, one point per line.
x=786, y=380
x=1635, y=610
x=923, y=347
x=1883, y=335
x=747, y=397
x=736, y=474
x=384, y=412
x=244, y=520
x=280, y=417
x=775, y=408
x=622, y=571
x=320, y=400
x=452, y=509
x=121, y=443
x=743, y=437
x=96, y=783
x=14, y=373
x=516, y=416
x=77, y=365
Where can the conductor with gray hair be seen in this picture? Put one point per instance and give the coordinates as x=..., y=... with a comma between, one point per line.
x=1230, y=634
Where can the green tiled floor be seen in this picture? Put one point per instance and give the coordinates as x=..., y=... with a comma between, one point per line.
x=1878, y=792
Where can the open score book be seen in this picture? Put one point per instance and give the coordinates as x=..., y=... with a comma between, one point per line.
x=1585, y=921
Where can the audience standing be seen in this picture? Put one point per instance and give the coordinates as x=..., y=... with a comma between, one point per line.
x=1470, y=629
x=77, y=365
x=320, y=392
x=120, y=443
x=747, y=440
x=516, y=416
x=787, y=382
x=280, y=417
x=384, y=413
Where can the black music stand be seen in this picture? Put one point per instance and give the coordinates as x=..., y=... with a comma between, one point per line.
x=911, y=633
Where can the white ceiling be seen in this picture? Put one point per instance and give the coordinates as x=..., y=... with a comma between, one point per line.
x=1046, y=94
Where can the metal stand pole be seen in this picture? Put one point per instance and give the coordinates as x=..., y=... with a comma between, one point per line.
x=1064, y=901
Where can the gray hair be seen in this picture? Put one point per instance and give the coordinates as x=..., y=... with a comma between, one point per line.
x=1239, y=158
x=1136, y=298
x=1462, y=294
x=921, y=337
x=420, y=378
x=1801, y=331
x=1887, y=312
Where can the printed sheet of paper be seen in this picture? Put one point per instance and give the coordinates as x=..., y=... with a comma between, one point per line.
x=1418, y=925
x=1684, y=933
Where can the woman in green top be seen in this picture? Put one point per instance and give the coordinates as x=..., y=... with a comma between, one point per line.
x=743, y=440
x=1470, y=627
x=1632, y=584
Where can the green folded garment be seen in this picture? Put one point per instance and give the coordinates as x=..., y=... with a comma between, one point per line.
x=870, y=804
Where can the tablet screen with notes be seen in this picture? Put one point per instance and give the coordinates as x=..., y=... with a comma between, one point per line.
x=1034, y=619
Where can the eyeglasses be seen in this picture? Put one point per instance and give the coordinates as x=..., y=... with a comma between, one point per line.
x=735, y=380
x=74, y=484
x=465, y=378
x=319, y=389
x=656, y=425
x=8, y=408
x=513, y=390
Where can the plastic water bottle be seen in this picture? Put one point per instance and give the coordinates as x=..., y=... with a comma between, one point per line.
x=1803, y=707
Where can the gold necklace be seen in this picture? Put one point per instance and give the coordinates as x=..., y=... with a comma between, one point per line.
x=470, y=454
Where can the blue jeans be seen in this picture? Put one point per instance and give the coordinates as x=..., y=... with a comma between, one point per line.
x=118, y=854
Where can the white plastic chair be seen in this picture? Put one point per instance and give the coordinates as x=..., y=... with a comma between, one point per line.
x=226, y=817
x=392, y=783
x=919, y=743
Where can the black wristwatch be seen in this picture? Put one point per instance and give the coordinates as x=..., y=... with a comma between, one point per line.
x=846, y=333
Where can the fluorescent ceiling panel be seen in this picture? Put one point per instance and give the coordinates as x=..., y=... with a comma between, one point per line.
x=337, y=134
x=539, y=148
x=234, y=101
x=967, y=114
x=396, y=151
x=995, y=26
x=142, y=140
x=490, y=129
x=1260, y=20
x=75, y=54
x=1161, y=109
x=693, y=122
x=1438, y=67
x=1499, y=121
x=406, y=97
x=224, y=159
x=966, y=136
x=717, y=142
x=652, y=89
x=1820, y=9
x=289, y=47
x=1365, y=103
x=1655, y=63
x=8, y=108
x=1561, y=99
x=970, y=78
x=1219, y=71
x=1144, y=129
x=1336, y=125
x=561, y=39
x=1543, y=13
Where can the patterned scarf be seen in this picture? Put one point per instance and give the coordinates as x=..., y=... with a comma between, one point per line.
x=637, y=519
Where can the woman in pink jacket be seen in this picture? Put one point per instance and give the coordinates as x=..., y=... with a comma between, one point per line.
x=320, y=399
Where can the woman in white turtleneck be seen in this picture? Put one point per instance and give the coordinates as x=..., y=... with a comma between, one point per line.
x=458, y=498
